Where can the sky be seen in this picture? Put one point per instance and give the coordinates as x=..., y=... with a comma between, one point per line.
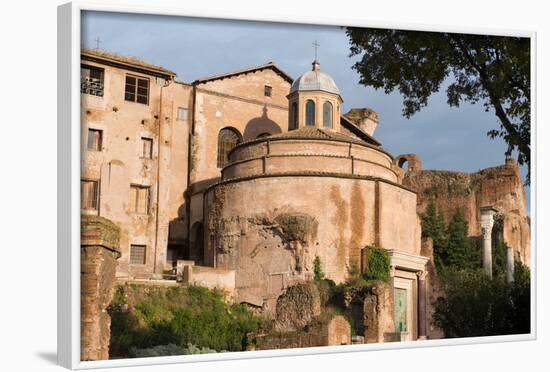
x=443, y=137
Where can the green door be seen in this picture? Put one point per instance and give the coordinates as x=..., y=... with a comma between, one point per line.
x=400, y=299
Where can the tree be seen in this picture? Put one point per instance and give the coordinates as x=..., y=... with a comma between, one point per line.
x=476, y=305
x=461, y=253
x=494, y=70
x=433, y=226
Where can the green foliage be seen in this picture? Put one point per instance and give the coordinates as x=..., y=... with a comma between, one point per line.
x=317, y=269
x=460, y=252
x=297, y=226
x=494, y=70
x=453, y=248
x=354, y=279
x=378, y=264
x=499, y=257
x=433, y=226
x=179, y=316
x=475, y=305
x=521, y=299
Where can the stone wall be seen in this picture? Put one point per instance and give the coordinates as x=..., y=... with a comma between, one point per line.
x=378, y=314
x=99, y=252
x=334, y=330
x=434, y=289
x=242, y=232
x=210, y=277
x=500, y=187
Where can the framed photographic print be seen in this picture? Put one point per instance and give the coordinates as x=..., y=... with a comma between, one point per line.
x=236, y=188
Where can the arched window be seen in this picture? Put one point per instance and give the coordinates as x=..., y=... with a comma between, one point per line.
x=327, y=115
x=227, y=139
x=294, y=115
x=310, y=112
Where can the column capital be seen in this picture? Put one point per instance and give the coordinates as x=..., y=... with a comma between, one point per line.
x=422, y=274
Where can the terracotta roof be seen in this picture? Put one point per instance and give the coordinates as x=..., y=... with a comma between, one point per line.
x=270, y=65
x=350, y=125
x=313, y=133
x=124, y=61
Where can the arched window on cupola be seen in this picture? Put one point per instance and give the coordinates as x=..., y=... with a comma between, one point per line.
x=327, y=114
x=310, y=112
x=228, y=138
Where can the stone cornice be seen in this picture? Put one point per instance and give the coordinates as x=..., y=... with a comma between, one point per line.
x=307, y=174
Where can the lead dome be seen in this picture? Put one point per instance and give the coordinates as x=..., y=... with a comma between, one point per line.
x=315, y=80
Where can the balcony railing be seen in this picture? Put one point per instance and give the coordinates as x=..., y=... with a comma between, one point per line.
x=91, y=86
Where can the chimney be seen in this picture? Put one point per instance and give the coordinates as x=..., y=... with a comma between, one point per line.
x=365, y=118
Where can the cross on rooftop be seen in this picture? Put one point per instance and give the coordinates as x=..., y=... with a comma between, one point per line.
x=316, y=45
x=97, y=41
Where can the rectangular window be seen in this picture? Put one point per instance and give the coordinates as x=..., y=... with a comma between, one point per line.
x=146, y=148
x=91, y=80
x=139, y=199
x=267, y=90
x=182, y=113
x=95, y=139
x=137, y=254
x=136, y=89
x=89, y=195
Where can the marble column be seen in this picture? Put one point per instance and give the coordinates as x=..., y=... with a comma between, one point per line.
x=509, y=265
x=487, y=221
x=422, y=326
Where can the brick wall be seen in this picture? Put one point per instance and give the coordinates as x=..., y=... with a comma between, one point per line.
x=98, y=255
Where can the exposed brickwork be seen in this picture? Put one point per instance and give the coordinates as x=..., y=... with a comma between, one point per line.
x=333, y=331
x=378, y=314
x=99, y=252
x=500, y=187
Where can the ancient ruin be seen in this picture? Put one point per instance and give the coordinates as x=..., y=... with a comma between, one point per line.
x=240, y=181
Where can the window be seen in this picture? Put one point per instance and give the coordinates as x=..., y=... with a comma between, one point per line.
x=146, y=148
x=327, y=115
x=136, y=90
x=294, y=120
x=182, y=113
x=95, y=139
x=89, y=195
x=91, y=80
x=268, y=90
x=139, y=199
x=227, y=140
x=137, y=254
x=310, y=112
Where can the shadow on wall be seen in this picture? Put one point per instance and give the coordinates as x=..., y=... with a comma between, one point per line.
x=261, y=125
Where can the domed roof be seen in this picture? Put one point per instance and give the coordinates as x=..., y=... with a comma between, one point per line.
x=315, y=80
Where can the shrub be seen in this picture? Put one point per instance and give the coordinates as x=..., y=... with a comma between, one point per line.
x=475, y=305
x=179, y=316
x=317, y=269
x=378, y=264
x=297, y=226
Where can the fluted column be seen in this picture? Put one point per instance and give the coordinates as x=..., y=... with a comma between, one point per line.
x=487, y=221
